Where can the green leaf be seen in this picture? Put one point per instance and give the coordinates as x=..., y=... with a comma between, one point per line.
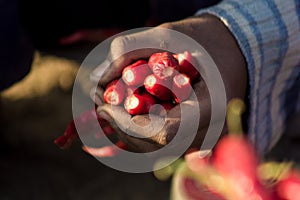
x=272, y=171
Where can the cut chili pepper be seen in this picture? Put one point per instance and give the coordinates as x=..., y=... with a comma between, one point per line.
x=185, y=61
x=137, y=104
x=158, y=87
x=132, y=90
x=163, y=65
x=114, y=93
x=181, y=87
x=136, y=73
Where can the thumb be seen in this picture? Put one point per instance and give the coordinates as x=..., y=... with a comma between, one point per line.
x=139, y=126
x=115, y=115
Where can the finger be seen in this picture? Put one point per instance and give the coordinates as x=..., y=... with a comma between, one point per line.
x=206, y=138
x=128, y=48
x=96, y=92
x=115, y=115
x=105, y=111
x=198, y=161
x=185, y=115
x=98, y=72
x=152, y=128
x=138, y=144
x=96, y=95
x=146, y=142
x=114, y=69
x=140, y=126
x=203, y=101
x=198, y=105
x=142, y=133
x=194, y=116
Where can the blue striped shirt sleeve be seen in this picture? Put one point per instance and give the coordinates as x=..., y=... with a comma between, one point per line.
x=268, y=33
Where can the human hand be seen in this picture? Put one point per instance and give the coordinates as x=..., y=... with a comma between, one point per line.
x=222, y=47
x=149, y=132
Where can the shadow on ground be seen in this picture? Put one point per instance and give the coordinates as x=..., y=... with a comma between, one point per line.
x=33, y=113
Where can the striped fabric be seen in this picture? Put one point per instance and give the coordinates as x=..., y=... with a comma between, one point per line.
x=268, y=32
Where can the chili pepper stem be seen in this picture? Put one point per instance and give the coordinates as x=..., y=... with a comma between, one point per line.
x=235, y=109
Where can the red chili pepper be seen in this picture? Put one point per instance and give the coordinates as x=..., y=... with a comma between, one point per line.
x=115, y=92
x=288, y=188
x=137, y=104
x=234, y=155
x=89, y=123
x=185, y=61
x=163, y=65
x=107, y=151
x=165, y=107
x=136, y=73
x=159, y=88
x=181, y=87
x=149, y=98
x=235, y=159
x=68, y=137
x=132, y=90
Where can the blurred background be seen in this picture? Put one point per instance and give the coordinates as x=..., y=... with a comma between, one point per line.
x=42, y=46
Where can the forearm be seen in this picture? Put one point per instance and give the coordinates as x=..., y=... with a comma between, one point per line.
x=267, y=32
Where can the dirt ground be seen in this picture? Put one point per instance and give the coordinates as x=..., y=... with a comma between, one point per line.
x=33, y=113
x=36, y=110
